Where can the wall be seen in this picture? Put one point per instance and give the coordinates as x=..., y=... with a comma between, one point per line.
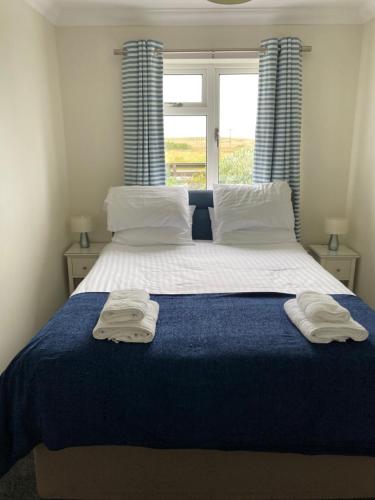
x=361, y=198
x=90, y=79
x=33, y=186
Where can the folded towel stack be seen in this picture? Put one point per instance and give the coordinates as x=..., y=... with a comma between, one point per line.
x=322, y=320
x=128, y=316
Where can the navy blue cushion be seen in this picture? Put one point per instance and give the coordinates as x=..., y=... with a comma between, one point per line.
x=201, y=220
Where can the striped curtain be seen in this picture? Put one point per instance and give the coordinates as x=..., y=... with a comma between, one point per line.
x=278, y=131
x=142, y=107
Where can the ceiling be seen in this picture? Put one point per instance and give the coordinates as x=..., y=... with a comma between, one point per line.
x=202, y=12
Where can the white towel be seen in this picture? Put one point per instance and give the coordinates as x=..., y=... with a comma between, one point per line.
x=125, y=305
x=321, y=307
x=130, y=331
x=324, y=333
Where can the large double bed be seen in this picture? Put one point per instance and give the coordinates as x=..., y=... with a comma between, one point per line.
x=229, y=400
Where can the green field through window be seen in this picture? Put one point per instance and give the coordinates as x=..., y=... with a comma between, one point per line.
x=186, y=161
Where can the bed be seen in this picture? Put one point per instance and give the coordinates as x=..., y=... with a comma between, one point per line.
x=229, y=400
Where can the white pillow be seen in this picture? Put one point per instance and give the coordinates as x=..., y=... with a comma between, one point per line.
x=256, y=206
x=250, y=236
x=130, y=207
x=156, y=235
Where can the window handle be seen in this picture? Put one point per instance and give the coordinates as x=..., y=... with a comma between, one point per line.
x=217, y=136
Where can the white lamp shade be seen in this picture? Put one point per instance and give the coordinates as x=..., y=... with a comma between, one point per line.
x=336, y=226
x=81, y=224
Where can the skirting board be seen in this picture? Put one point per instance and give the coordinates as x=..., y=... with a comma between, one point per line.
x=131, y=473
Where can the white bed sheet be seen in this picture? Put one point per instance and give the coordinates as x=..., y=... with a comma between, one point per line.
x=206, y=267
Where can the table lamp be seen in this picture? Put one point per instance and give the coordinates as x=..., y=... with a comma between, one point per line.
x=334, y=227
x=82, y=224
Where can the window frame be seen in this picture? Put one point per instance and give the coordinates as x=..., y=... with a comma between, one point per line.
x=210, y=105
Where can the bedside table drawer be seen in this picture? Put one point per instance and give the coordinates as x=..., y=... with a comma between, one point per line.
x=81, y=266
x=340, y=268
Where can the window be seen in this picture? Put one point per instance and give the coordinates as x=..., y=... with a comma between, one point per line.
x=183, y=88
x=209, y=123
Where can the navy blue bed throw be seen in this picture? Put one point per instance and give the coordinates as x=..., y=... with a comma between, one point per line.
x=225, y=372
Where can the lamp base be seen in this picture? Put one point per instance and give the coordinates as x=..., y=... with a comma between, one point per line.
x=84, y=240
x=333, y=244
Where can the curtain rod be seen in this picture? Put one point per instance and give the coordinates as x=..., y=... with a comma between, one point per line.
x=123, y=52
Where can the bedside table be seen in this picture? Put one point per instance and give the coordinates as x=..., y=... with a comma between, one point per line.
x=80, y=261
x=341, y=263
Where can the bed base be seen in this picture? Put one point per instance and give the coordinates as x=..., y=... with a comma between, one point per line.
x=131, y=473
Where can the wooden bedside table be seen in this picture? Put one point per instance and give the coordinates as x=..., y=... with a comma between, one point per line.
x=341, y=263
x=80, y=261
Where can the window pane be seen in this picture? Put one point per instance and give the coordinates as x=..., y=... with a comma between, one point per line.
x=182, y=88
x=238, y=112
x=186, y=151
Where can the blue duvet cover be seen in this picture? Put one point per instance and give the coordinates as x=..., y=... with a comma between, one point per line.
x=226, y=372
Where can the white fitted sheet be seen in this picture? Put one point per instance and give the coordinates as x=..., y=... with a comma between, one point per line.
x=206, y=267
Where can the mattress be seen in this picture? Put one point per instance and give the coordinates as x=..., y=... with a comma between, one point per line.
x=206, y=267
x=226, y=370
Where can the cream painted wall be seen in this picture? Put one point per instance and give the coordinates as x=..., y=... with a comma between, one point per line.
x=33, y=181
x=361, y=197
x=90, y=79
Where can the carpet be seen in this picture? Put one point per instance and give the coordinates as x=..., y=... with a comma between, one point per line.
x=19, y=482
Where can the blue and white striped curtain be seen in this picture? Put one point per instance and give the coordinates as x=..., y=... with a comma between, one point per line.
x=142, y=107
x=278, y=131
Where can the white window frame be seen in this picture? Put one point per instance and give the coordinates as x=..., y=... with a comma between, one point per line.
x=210, y=105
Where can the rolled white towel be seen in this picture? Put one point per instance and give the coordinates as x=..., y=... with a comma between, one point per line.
x=125, y=305
x=130, y=331
x=321, y=307
x=324, y=333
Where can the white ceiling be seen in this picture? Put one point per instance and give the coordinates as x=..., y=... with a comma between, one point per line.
x=190, y=12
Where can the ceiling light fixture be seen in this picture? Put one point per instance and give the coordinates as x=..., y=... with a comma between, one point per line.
x=229, y=2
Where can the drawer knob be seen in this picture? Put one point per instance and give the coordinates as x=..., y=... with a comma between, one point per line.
x=338, y=270
x=84, y=268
